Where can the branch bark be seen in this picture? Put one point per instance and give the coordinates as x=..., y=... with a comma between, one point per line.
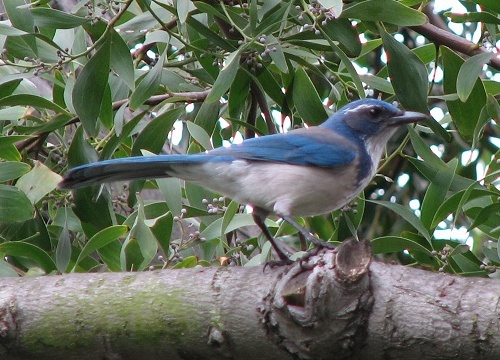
x=455, y=42
x=334, y=302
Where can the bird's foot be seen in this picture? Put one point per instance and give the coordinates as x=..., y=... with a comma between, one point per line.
x=319, y=245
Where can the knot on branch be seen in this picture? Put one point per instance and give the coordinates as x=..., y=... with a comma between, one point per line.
x=8, y=320
x=320, y=306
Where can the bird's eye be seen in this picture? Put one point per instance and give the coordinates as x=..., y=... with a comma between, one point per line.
x=375, y=112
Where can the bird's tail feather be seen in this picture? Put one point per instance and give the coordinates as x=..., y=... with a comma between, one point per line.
x=133, y=168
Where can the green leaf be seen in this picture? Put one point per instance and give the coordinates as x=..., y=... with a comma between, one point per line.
x=110, y=255
x=145, y=239
x=31, y=100
x=469, y=74
x=189, y=262
x=121, y=60
x=106, y=112
x=209, y=34
x=464, y=265
x=436, y=193
x=55, y=19
x=10, y=153
x=229, y=214
x=162, y=228
x=63, y=250
x=238, y=94
x=388, y=11
x=214, y=230
x=28, y=251
x=489, y=111
x=406, y=68
x=182, y=10
x=171, y=189
x=335, y=6
x=466, y=114
x=226, y=76
x=88, y=92
x=347, y=63
x=148, y=85
x=272, y=88
x=7, y=270
x=276, y=53
x=38, y=182
x=158, y=36
x=493, y=5
x=459, y=182
x=484, y=17
x=207, y=116
x=13, y=113
x=389, y=244
x=456, y=202
x=306, y=99
x=101, y=239
x=199, y=135
x=153, y=136
x=423, y=150
x=493, y=169
x=55, y=123
x=14, y=205
x=492, y=87
x=378, y=83
x=7, y=141
x=19, y=15
x=485, y=214
x=11, y=31
x=210, y=10
x=343, y=31
x=406, y=214
x=117, y=140
x=10, y=170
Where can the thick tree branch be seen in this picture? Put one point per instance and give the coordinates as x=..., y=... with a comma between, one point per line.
x=327, y=304
x=310, y=309
x=455, y=42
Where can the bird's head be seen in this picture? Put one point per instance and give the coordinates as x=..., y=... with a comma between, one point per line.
x=371, y=119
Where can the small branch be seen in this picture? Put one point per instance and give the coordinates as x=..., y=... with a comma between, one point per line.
x=252, y=116
x=261, y=100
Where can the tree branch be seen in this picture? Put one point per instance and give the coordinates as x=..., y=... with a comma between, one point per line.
x=326, y=304
x=455, y=42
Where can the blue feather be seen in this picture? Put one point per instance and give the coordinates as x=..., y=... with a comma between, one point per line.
x=291, y=148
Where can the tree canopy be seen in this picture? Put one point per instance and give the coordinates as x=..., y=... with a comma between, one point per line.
x=86, y=81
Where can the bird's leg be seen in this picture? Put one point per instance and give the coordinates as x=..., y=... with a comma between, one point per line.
x=318, y=242
x=259, y=216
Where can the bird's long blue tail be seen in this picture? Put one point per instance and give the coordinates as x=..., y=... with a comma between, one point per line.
x=132, y=168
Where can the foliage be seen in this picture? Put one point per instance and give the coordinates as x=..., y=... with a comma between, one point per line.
x=108, y=79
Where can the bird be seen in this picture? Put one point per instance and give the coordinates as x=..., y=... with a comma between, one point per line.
x=304, y=172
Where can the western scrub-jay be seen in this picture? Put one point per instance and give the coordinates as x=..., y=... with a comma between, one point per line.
x=305, y=172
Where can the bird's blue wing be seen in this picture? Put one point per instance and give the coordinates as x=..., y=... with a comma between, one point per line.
x=316, y=147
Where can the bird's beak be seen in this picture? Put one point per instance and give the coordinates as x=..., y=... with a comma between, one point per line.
x=407, y=117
